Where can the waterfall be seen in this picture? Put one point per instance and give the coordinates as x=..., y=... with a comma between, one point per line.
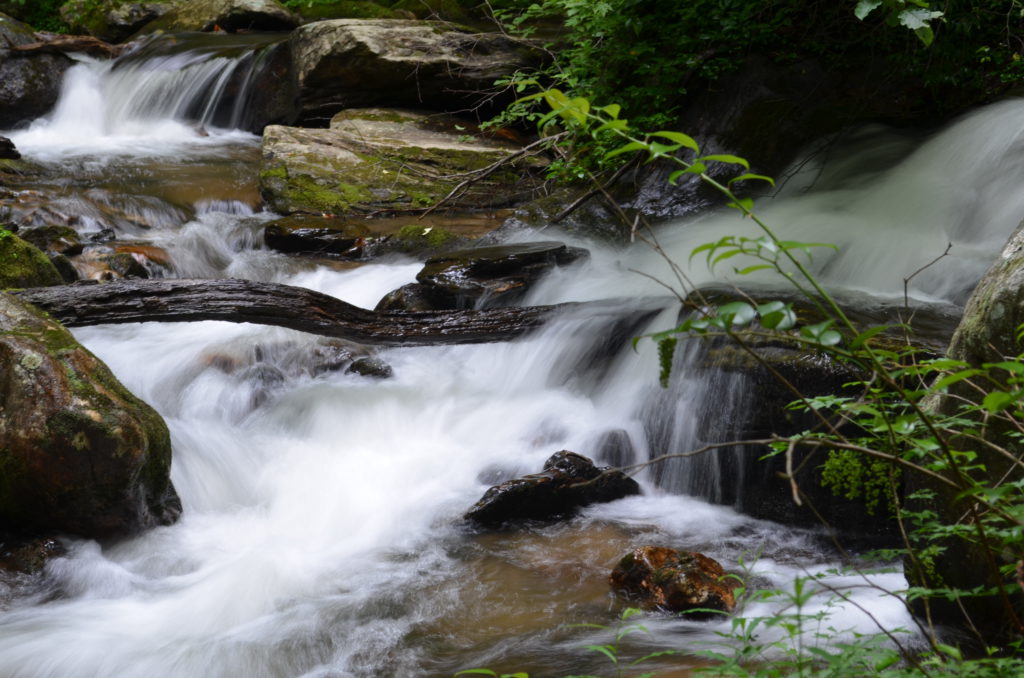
x=321, y=534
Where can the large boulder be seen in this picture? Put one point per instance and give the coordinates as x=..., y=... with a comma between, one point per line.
x=663, y=578
x=988, y=333
x=569, y=481
x=224, y=15
x=29, y=82
x=78, y=452
x=348, y=63
x=24, y=265
x=111, y=21
x=388, y=160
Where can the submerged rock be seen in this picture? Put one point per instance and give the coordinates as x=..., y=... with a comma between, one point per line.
x=663, y=578
x=78, y=452
x=349, y=63
x=375, y=160
x=569, y=481
x=28, y=556
x=24, y=265
x=492, y=276
x=30, y=82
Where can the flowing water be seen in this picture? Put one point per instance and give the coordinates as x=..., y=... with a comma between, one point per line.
x=321, y=532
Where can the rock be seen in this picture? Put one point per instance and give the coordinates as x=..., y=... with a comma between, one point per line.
x=492, y=276
x=100, y=262
x=569, y=481
x=387, y=160
x=987, y=333
x=663, y=578
x=29, y=83
x=24, y=265
x=28, y=556
x=56, y=239
x=371, y=367
x=412, y=298
x=67, y=270
x=7, y=150
x=312, y=235
x=223, y=15
x=351, y=9
x=112, y=24
x=350, y=63
x=78, y=452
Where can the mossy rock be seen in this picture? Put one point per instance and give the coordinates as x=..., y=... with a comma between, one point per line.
x=388, y=160
x=351, y=9
x=79, y=453
x=24, y=265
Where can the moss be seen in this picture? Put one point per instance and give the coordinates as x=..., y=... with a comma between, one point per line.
x=24, y=265
x=418, y=236
x=347, y=9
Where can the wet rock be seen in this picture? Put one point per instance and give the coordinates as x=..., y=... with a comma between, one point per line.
x=106, y=263
x=663, y=578
x=29, y=83
x=301, y=235
x=28, y=556
x=54, y=239
x=414, y=297
x=371, y=367
x=224, y=15
x=351, y=9
x=492, y=276
x=67, y=270
x=78, y=452
x=569, y=481
x=113, y=24
x=24, y=265
x=387, y=160
x=7, y=150
x=350, y=63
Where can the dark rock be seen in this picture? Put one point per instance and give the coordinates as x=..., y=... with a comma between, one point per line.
x=67, y=270
x=54, y=239
x=371, y=367
x=351, y=63
x=492, y=276
x=311, y=235
x=29, y=83
x=615, y=448
x=78, y=452
x=569, y=481
x=663, y=578
x=7, y=150
x=414, y=297
x=28, y=557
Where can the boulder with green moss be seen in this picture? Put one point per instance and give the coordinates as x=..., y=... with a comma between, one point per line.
x=350, y=9
x=29, y=83
x=374, y=160
x=24, y=265
x=347, y=63
x=112, y=21
x=78, y=452
x=226, y=15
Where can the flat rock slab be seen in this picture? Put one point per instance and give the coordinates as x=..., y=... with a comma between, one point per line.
x=386, y=160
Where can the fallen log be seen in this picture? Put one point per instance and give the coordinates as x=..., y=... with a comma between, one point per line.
x=243, y=301
x=66, y=44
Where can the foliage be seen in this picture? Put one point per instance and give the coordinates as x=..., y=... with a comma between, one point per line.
x=42, y=15
x=956, y=429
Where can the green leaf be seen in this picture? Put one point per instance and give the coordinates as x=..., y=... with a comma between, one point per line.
x=865, y=7
x=611, y=109
x=737, y=312
x=612, y=124
x=744, y=205
x=626, y=148
x=862, y=338
x=683, y=140
x=751, y=177
x=996, y=401
x=477, y=672
x=750, y=269
x=950, y=651
x=731, y=159
x=606, y=650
